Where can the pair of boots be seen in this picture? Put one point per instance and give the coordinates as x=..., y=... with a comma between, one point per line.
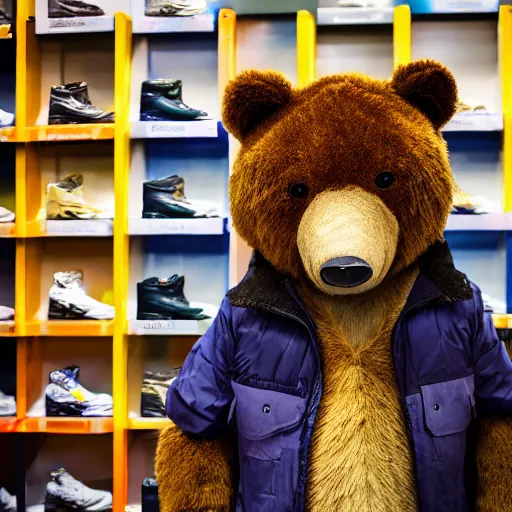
x=162, y=101
x=70, y=104
x=72, y=9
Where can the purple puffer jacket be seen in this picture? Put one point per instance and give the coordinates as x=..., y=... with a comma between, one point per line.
x=259, y=363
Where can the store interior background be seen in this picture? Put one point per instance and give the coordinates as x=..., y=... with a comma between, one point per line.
x=266, y=38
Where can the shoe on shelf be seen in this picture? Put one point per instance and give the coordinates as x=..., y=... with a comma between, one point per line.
x=6, y=119
x=65, y=200
x=70, y=104
x=7, y=407
x=6, y=215
x=154, y=391
x=6, y=313
x=175, y=7
x=466, y=204
x=5, y=17
x=469, y=107
x=69, y=301
x=164, y=299
x=7, y=502
x=72, y=9
x=161, y=100
x=64, y=492
x=165, y=199
x=149, y=494
x=492, y=305
x=65, y=396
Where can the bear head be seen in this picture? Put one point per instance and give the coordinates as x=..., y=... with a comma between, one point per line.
x=345, y=181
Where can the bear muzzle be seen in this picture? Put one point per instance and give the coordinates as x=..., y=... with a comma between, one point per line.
x=347, y=240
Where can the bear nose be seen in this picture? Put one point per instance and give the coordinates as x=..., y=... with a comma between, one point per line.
x=345, y=272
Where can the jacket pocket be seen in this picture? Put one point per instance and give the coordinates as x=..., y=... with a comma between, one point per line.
x=268, y=424
x=448, y=406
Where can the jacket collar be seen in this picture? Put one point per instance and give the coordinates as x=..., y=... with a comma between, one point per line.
x=265, y=288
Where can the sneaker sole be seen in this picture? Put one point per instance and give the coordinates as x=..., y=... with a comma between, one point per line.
x=73, y=120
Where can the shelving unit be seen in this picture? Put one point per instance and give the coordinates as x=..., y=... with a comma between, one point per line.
x=127, y=152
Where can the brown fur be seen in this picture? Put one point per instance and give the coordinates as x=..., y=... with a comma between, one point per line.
x=360, y=457
x=195, y=474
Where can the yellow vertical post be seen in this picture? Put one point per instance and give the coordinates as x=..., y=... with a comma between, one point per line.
x=226, y=49
x=306, y=48
x=505, y=50
x=402, y=39
x=123, y=56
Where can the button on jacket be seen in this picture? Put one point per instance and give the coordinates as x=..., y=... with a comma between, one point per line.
x=257, y=369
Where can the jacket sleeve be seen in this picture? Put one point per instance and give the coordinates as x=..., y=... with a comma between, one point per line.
x=493, y=368
x=198, y=400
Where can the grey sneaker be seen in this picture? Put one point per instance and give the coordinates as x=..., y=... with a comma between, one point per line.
x=6, y=215
x=175, y=7
x=66, y=493
x=7, y=408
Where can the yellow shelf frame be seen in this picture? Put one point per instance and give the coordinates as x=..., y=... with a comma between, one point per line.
x=402, y=36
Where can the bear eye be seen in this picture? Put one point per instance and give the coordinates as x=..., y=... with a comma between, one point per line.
x=299, y=190
x=384, y=180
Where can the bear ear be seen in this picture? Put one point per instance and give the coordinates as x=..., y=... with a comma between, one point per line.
x=251, y=98
x=430, y=87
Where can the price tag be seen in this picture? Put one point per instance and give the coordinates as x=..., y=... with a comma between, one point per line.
x=447, y=6
x=79, y=227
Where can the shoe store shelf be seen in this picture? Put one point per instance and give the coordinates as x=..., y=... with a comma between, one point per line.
x=59, y=425
x=8, y=134
x=502, y=321
x=148, y=423
x=484, y=222
x=475, y=122
x=7, y=329
x=174, y=129
x=70, y=132
x=168, y=327
x=81, y=228
x=4, y=32
x=70, y=328
x=354, y=16
x=8, y=230
x=8, y=424
x=176, y=226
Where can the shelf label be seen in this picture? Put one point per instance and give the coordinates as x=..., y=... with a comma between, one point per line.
x=79, y=227
x=45, y=25
x=7, y=327
x=475, y=122
x=213, y=226
x=174, y=129
x=169, y=327
x=353, y=16
x=447, y=6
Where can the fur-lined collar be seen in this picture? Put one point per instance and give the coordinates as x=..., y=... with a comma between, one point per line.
x=265, y=288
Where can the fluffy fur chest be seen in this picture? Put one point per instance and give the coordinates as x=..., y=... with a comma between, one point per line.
x=360, y=457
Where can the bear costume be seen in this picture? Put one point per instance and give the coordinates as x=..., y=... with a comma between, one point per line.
x=349, y=369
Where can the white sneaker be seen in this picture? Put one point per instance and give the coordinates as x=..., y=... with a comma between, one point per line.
x=7, y=408
x=65, y=492
x=6, y=118
x=6, y=313
x=7, y=502
x=68, y=300
x=6, y=215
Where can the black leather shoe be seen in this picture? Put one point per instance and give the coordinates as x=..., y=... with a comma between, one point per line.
x=163, y=299
x=150, y=502
x=165, y=199
x=72, y=9
x=161, y=100
x=70, y=104
x=154, y=392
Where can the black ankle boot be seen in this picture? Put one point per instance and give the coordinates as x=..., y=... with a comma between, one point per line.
x=70, y=104
x=163, y=299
